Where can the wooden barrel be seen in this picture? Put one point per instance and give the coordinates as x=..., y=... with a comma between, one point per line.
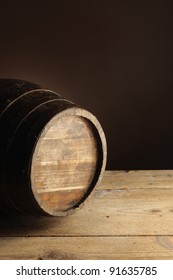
x=52, y=152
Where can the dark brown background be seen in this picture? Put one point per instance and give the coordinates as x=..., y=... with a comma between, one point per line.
x=115, y=58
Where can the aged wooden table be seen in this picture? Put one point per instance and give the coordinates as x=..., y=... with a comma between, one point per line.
x=130, y=216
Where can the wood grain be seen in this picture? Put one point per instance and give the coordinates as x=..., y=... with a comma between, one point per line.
x=98, y=248
x=137, y=179
x=64, y=163
x=130, y=216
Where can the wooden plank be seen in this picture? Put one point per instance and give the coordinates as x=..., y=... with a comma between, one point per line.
x=137, y=179
x=111, y=248
x=109, y=212
x=127, y=217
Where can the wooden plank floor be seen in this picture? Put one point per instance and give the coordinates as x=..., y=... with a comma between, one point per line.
x=129, y=216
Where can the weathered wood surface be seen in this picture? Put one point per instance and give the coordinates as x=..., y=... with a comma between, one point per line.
x=129, y=216
x=64, y=163
x=126, y=247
